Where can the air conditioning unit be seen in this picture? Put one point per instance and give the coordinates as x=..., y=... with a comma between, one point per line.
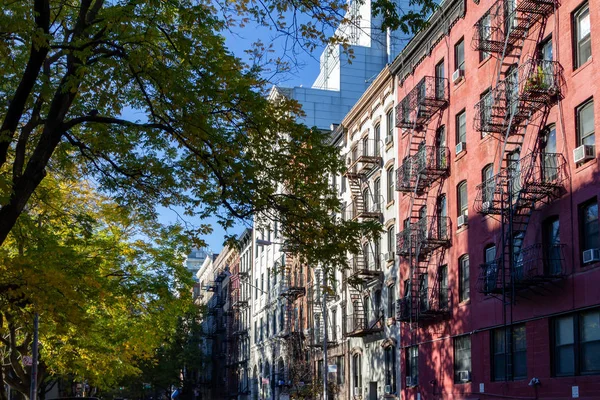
x=388, y=389
x=584, y=153
x=486, y=205
x=389, y=139
x=460, y=147
x=390, y=256
x=458, y=75
x=464, y=376
x=462, y=220
x=409, y=381
x=591, y=255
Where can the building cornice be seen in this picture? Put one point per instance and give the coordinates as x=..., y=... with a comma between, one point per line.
x=421, y=46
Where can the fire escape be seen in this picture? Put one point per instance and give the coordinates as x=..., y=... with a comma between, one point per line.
x=365, y=269
x=425, y=235
x=525, y=89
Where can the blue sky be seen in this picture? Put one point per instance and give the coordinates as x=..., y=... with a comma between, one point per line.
x=304, y=74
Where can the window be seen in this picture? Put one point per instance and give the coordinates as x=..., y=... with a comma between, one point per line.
x=588, y=220
x=485, y=35
x=509, y=364
x=390, y=367
x=487, y=179
x=459, y=55
x=339, y=362
x=377, y=193
x=463, y=206
x=412, y=366
x=577, y=344
x=461, y=127
x=334, y=324
x=377, y=137
x=357, y=370
x=551, y=245
x=343, y=184
x=462, y=359
x=582, y=33
x=255, y=332
x=261, y=330
x=256, y=288
x=486, y=102
x=390, y=184
x=444, y=295
x=262, y=282
x=440, y=81
x=464, y=284
x=390, y=239
x=585, y=124
x=391, y=306
x=389, y=119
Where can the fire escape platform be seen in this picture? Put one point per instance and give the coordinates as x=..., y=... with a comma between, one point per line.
x=421, y=170
x=536, y=266
x=417, y=108
x=537, y=177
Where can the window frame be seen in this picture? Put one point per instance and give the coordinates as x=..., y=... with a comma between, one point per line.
x=513, y=351
x=456, y=340
x=583, y=236
x=460, y=65
x=389, y=120
x=461, y=135
x=462, y=209
x=464, y=287
x=390, y=184
x=412, y=364
x=577, y=43
x=579, y=126
x=389, y=356
x=577, y=348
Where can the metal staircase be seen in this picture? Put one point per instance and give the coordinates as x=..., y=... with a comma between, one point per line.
x=523, y=91
x=422, y=235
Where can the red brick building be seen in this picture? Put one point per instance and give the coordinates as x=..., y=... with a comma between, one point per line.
x=498, y=183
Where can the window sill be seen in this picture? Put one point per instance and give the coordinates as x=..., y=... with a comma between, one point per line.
x=590, y=265
x=460, y=155
x=389, y=145
x=465, y=303
x=460, y=84
x=389, y=204
x=585, y=165
x=485, y=61
x=462, y=228
x=582, y=66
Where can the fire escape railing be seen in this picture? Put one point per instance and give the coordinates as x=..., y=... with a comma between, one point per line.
x=358, y=324
x=507, y=23
x=430, y=303
x=364, y=155
x=420, y=170
x=538, y=176
x=420, y=104
x=535, y=84
x=427, y=234
x=365, y=209
x=533, y=265
x=365, y=265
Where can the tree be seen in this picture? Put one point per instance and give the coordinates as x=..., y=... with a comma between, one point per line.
x=107, y=297
x=145, y=95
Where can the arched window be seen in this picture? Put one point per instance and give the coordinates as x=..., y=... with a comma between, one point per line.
x=463, y=204
x=442, y=217
x=487, y=180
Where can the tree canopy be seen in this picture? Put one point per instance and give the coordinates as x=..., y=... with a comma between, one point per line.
x=145, y=97
x=106, y=298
